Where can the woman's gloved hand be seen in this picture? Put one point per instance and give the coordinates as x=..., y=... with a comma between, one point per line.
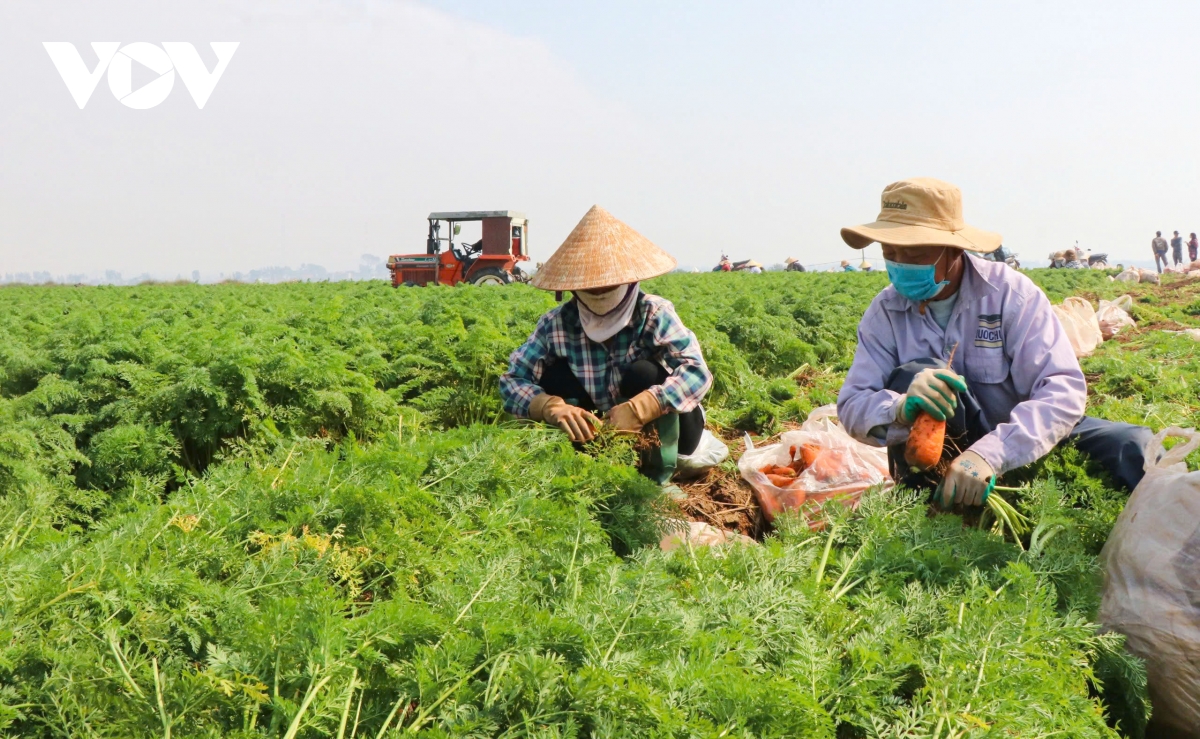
x=966, y=481
x=578, y=424
x=635, y=413
x=934, y=391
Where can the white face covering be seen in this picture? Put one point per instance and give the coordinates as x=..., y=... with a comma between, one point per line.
x=605, y=314
x=605, y=302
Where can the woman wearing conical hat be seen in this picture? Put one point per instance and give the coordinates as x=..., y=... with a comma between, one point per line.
x=612, y=348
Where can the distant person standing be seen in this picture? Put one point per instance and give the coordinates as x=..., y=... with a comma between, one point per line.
x=1193, y=246
x=1159, y=244
x=1177, y=249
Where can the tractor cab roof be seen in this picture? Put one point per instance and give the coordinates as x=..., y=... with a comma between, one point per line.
x=475, y=215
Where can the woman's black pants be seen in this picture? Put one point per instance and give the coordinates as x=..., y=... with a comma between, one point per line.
x=558, y=379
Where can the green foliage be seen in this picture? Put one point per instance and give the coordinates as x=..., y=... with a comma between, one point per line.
x=758, y=330
x=281, y=510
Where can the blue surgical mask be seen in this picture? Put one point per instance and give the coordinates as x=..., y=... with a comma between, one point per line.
x=917, y=282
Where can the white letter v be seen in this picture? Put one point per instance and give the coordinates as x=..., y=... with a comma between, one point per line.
x=80, y=82
x=198, y=81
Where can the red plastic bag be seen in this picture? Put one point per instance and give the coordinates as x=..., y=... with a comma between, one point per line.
x=842, y=471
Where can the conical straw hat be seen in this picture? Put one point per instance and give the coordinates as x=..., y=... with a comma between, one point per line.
x=602, y=252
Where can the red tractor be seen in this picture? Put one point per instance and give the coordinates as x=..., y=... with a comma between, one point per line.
x=490, y=261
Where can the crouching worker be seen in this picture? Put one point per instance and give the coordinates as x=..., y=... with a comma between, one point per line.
x=1015, y=389
x=612, y=349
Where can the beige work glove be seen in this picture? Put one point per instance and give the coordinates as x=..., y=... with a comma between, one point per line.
x=934, y=391
x=635, y=413
x=966, y=481
x=576, y=423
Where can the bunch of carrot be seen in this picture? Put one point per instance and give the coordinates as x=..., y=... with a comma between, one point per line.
x=825, y=464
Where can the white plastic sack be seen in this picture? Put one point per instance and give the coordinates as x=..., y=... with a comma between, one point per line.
x=1149, y=275
x=1152, y=580
x=1130, y=275
x=1113, y=316
x=844, y=469
x=1194, y=273
x=709, y=453
x=699, y=534
x=1079, y=321
x=1125, y=302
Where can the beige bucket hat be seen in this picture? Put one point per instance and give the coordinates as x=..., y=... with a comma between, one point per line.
x=602, y=252
x=922, y=211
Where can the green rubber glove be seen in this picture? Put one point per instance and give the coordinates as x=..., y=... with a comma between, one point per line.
x=934, y=391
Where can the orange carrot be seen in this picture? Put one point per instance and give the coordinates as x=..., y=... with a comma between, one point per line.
x=925, y=442
x=809, y=453
x=927, y=437
x=780, y=481
x=830, y=465
x=783, y=471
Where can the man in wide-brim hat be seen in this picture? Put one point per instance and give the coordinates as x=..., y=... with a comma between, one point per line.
x=1015, y=389
x=612, y=348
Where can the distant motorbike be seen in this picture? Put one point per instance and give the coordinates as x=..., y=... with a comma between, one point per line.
x=1004, y=255
x=727, y=266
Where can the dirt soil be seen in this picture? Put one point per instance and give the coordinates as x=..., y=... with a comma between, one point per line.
x=723, y=499
x=720, y=498
x=1142, y=329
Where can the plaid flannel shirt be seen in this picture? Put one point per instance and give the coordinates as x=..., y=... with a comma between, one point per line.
x=655, y=333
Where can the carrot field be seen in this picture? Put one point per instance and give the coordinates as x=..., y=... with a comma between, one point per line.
x=298, y=510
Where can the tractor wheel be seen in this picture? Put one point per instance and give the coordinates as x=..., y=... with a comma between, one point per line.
x=491, y=276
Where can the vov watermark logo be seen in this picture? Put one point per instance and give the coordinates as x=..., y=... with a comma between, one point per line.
x=117, y=60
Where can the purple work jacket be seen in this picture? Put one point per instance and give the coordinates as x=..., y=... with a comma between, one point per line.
x=1012, y=351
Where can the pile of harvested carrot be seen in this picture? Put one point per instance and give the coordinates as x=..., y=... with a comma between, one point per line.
x=826, y=465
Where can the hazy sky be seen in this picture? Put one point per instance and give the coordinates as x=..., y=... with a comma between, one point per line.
x=753, y=128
